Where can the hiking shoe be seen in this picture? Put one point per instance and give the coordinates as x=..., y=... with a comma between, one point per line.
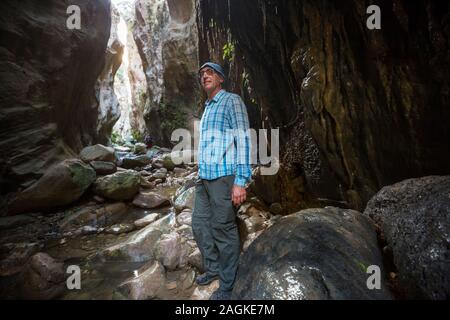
x=221, y=295
x=204, y=279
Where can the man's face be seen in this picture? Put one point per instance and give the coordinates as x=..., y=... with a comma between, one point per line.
x=209, y=79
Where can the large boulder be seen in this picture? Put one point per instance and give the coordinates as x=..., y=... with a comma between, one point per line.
x=98, y=152
x=139, y=247
x=150, y=200
x=140, y=148
x=122, y=185
x=414, y=217
x=320, y=253
x=103, y=167
x=131, y=162
x=170, y=251
x=13, y=256
x=185, y=200
x=61, y=185
x=43, y=278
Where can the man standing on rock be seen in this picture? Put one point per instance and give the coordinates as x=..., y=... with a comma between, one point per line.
x=224, y=170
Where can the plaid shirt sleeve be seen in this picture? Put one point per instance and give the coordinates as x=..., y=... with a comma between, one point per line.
x=239, y=122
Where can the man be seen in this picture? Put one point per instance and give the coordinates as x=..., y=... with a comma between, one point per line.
x=224, y=170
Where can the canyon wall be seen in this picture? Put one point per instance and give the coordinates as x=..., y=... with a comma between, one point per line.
x=47, y=97
x=357, y=109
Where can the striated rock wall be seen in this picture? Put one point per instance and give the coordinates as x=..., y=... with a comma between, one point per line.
x=166, y=37
x=357, y=108
x=109, y=109
x=131, y=84
x=48, y=109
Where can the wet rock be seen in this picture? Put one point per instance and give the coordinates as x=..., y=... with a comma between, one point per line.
x=250, y=238
x=168, y=250
x=145, y=173
x=254, y=223
x=103, y=167
x=148, y=283
x=276, y=208
x=140, y=148
x=205, y=292
x=87, y=230
x=138, y=247
x=159, y=174
x=150, y=200
x=179, y=172
x=146, y=184
x=188, y=279
x=195, y=259
x=132, y=162
x=185, y=218
x=118, y=186
x=171, y=285
x=120, y=228
x=98, y=199
x=148, y=219
x=122, y=149
x=43, y=278
x=97, y=152
x=186, y=232
x=166, y=224
x=61, y=185
x=168, y=163
x=185, y=200
x=297, y=258
x=15, y=221
x=414, y=217
x=95, y=216
x=14, y=256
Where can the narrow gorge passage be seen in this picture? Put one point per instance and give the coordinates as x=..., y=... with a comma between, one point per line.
x=96, y=203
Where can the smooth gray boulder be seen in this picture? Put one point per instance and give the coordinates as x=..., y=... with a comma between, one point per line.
x=314, y=254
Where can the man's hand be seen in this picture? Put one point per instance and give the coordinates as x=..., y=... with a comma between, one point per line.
x=238, y=195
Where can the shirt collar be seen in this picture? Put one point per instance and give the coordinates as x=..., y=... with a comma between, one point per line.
x=216, y=97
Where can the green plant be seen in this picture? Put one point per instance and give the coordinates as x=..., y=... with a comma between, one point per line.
x=137, y=136
x=116, y=138
x=228, y=51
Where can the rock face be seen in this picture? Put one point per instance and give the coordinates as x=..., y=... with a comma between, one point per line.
x=122, y=185
x=312, y=254
x=414, y=216
x=60, y=185
x=131, y=84
x=48, y=76
x=108, y=109
x=169, y=58
x=338, y=91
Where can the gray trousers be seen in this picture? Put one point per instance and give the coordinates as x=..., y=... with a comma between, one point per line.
x=215, y=229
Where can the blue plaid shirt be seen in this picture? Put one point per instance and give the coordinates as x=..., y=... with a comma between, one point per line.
x=224, y=146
